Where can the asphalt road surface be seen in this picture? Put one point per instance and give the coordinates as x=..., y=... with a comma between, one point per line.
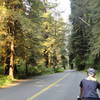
x=59, y=86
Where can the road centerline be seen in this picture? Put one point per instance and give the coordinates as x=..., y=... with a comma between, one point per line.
x=47, y=88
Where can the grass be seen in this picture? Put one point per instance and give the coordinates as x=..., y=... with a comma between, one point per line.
x=59, y=69
x=4, y=80
x=98, y=76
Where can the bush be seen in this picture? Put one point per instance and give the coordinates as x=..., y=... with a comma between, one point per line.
x=40, y=69
x=98, y=75
x=59, y=69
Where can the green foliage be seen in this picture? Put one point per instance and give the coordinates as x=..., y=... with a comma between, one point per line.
x=84, y=41
x=4, y=80
x=38, y=38
x=1, y=70
x=90, y=61
x=98, y=75
x=40, y=69
x=59, y=69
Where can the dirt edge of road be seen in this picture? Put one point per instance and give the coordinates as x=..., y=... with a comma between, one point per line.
x=14, y=83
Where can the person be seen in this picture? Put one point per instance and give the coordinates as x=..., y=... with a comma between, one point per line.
x=89, y=86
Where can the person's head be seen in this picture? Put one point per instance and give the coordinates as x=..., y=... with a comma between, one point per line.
x=91, y=72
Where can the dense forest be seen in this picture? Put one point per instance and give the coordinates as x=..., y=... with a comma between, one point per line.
x=32, y=40
x=84, y=42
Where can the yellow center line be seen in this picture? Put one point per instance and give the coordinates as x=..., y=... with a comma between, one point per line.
x=48, y=87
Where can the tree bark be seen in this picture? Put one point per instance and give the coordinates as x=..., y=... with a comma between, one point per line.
x=26, y=68
x=11, y=69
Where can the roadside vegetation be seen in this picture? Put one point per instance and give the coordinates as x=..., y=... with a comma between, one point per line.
x=32, y=40
x=98, y=76
x=32, y=71
x=35, y=40
x=84, y=42
x=4, y=80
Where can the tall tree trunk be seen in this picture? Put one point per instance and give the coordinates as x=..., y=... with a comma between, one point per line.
x=49, y=59
x=46, y=58
x=4, y=64
x=26, y=68
x=11, y=69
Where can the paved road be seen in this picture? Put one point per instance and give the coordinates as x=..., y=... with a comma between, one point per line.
x=60, y=86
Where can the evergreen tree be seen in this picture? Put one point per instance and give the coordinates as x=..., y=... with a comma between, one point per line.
x=84, y=38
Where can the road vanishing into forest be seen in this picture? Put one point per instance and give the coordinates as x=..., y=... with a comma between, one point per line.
x=59, y=86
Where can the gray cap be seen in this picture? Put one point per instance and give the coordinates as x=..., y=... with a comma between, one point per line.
x=91, y=71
